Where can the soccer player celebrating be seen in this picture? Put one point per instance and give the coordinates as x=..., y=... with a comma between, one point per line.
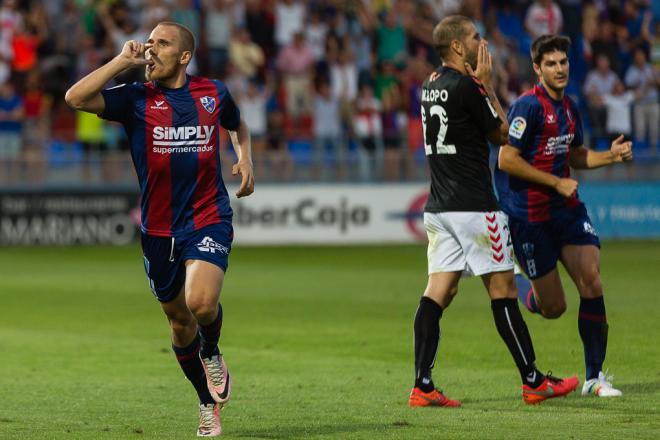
x=548, y=222
x=172, y=123
x=467, y=232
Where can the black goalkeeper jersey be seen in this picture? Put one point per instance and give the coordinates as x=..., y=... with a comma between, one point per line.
x=457, y=115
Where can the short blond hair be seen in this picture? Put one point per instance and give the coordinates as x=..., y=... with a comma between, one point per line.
x=187, y=37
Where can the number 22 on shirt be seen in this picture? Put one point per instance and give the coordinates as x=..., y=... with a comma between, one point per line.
x=436, y=111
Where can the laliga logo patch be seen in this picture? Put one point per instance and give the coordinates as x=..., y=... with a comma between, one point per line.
x=208, y=102
x=517, y=127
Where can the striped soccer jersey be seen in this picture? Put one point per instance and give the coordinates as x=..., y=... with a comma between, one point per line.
x=174, y=141
x=544, y=130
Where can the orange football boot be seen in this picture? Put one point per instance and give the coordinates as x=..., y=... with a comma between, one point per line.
x=419, y=398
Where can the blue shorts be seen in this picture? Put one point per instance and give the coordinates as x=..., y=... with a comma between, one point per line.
x=165, y=257
x=538, y=245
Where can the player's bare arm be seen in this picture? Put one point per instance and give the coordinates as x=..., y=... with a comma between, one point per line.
x=583, y=158
x=240, y=140
x=85, y=95
x=510, y=161
x=483, y=73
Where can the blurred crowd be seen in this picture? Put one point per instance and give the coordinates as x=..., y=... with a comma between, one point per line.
x=330, y=89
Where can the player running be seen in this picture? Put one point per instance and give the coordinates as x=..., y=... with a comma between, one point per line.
x=548, y=221
x=172, y=123
x=467, y=232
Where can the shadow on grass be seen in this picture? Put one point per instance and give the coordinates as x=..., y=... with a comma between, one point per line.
x=294, y=432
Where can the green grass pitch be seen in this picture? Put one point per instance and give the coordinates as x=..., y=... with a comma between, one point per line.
x=319, y=343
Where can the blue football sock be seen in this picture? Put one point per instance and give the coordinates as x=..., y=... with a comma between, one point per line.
x=592, y=325
x=526, y=294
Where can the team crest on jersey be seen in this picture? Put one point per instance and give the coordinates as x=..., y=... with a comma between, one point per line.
x=569, y=115
x=208, y=102
x=517, y=127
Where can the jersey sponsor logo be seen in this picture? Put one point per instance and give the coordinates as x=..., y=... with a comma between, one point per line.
x=517, y=127
x=187, y=135
x=208, y=102
x=558, y=144
x=160, y=105
x=209, y=245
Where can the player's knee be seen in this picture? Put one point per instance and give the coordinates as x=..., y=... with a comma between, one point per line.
x=592, y=286
x=203, y=310
x=182, y=323
x=554, y=310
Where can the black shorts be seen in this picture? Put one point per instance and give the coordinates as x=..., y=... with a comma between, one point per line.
x=165, y=257
x=538, y=245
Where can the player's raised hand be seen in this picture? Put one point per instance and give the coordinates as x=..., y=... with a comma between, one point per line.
x=134, y=52
x=621, y=151
x=566, y=187
x=244, y=168
x=484, y=68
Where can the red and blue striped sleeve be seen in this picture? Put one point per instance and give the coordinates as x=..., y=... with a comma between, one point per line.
x=119, y=102
x=578, y=140
x=229, y=115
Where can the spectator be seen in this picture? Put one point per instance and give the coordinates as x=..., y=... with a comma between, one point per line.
x=253, y=111
x=605, y=43
x=600, y=81
x=644, y=80
x=25, y=42
x=315, y=34
x=391, y=40
x=37, y=106
x=185, y=13
x=369, y=131
x=327, y=131
x=11, y=125
x=246, y=55
x=394, y=131
x=543, y=17
x=295, y=62
x=259, y=24
x=344, y=84
x=280, y=162
x=217, y=34
x=120, y=27
x=155, y=11
x=289, y=20
x=618, y=104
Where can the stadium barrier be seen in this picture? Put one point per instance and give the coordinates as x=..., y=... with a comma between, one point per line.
x=295, y=214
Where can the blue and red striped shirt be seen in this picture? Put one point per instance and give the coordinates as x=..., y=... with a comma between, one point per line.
x=544, y=130
x=174, y=139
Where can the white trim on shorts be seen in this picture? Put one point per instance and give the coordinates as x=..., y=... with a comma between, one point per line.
x=475, y=243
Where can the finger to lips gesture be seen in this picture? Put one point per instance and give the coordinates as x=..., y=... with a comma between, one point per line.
x=621, y=151
x=134, y=51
